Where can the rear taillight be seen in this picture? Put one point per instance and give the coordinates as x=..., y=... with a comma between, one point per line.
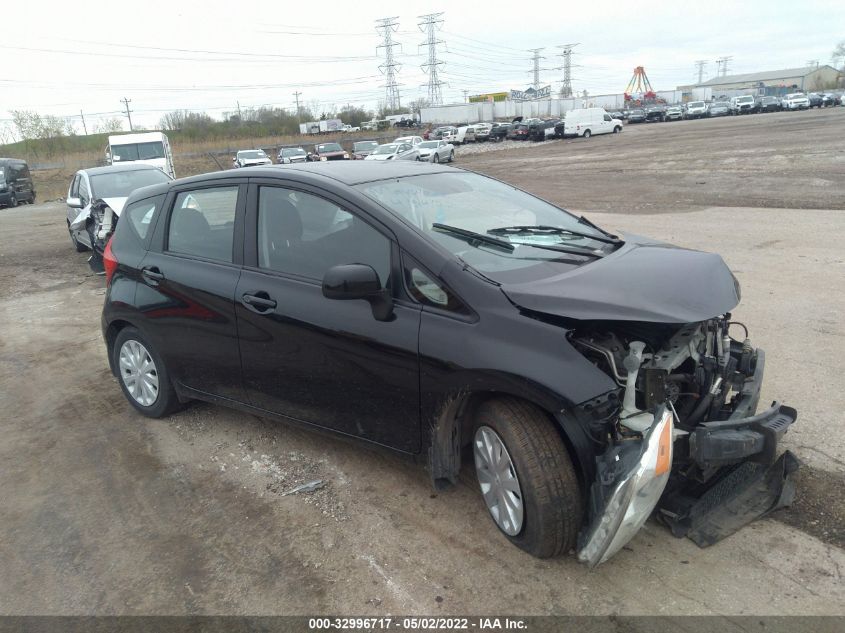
x=109, y=262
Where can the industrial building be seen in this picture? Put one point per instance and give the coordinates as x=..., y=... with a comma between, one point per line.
x=808, y=78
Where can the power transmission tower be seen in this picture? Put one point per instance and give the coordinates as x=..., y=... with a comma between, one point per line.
x=387, y=27
x=536, y=57
x=296, y=96
x=466, y=94
x=429, y=25
x=813, y=63
x=126, y=103
x=566, y=89
x=722, y=65
x=699, y=68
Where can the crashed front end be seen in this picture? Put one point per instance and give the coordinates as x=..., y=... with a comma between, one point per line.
x=99, y=220
x=681, y=433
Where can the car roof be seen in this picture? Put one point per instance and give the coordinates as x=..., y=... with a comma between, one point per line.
x=94, y=171
x=7, y=161
x=345, y=172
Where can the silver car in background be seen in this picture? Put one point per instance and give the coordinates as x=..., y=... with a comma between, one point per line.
x=436, y=151
x=395, y=151
x=288, y=155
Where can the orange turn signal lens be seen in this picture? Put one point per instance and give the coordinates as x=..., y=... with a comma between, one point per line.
x=664, y=449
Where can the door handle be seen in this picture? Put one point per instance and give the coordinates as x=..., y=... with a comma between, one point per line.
x=152, y=274
x=258, y=302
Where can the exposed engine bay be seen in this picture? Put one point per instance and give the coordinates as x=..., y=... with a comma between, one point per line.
x=687, y=395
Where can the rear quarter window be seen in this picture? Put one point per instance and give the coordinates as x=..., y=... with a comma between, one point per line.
x=141, y=215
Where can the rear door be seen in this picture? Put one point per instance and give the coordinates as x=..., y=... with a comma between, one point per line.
x=325, y=362
x=189, y=278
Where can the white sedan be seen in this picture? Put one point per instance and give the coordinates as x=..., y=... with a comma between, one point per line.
x=436, y=151
x=394, y=151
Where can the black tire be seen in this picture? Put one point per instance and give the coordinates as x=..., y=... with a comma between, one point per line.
x=552, y=501
x=617, y=129
x=32, y=198
x=436, y=157
x=166, y=401
x=451, y=156
x=79, y=246
x=587, y=133
x=13, y=200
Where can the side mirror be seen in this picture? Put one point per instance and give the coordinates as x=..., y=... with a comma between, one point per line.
x=74, y=203
x=358, y=281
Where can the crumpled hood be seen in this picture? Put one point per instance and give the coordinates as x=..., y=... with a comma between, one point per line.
x=644, y=280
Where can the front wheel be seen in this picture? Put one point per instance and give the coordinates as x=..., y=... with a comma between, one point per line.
x=451, y=156
x=142, y=375
x=617, y=129
x=13, y=200
x=526, y=477
x=436, y=157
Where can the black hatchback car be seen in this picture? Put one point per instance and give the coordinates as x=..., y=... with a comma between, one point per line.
x=15, y=182
x=590, y=378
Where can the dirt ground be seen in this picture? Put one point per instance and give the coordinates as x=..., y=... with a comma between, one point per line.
x=107, y=512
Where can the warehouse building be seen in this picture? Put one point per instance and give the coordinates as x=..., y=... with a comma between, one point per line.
x=808, y=78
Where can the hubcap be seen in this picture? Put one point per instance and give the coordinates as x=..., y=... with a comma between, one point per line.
x=498, y=480
x=138, y=372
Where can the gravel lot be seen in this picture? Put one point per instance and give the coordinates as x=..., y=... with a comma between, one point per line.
x=107, y=512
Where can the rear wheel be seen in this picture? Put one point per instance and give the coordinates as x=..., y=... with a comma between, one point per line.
x=526, y=477
x=617, y=129
x=587, y=134
x=142, y=374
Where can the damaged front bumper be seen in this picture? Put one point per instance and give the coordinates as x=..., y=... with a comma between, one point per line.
x=724, y=474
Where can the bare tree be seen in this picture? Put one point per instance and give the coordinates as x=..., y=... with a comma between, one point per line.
x=838, y=56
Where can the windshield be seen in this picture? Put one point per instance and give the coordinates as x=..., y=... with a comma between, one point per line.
x=119, y=184
x=137, y=151
x=744, y=99
x=293, y=152
x=428, y=144
x=637, y=112
x=696, y=104
x=252, y=154
x=363, y=146
x=329, y=147
x=386, y=149
x=475, y=203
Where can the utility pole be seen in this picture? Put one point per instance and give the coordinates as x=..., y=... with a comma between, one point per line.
x=84, y=127
x=466, y=95
x=240, y=118
x=387, y=27
x=429, y=25
x=126, y=103
x=536, y=59
x=566, y=89
x=699, y=68
x=296, y=96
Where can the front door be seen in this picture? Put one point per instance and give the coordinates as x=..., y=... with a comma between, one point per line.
x=325, y=362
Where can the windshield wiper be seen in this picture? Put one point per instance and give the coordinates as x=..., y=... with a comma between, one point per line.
x=473, y=238
x=585, y=221
x=541, y=229
x=572, y=250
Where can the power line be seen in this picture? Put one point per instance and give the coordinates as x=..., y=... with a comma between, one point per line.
x=566, y=89
x=126, y=103
x=387, y=27
x=429, y=25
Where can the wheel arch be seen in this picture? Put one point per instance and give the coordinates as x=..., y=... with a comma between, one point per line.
x=451, y=433
x=112, y=330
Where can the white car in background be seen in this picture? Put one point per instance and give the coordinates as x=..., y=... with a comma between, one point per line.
x=695, y=110
x=465, y=134
x=436, y=151
x=413, y=140
x=482, y=131
x=795, y=101
x=395, y=151
x=251, y=158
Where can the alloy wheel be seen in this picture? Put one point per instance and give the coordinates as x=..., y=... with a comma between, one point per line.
x=498, y=480
x=138, y=373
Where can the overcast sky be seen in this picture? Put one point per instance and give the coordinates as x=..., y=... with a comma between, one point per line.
x=208, y=55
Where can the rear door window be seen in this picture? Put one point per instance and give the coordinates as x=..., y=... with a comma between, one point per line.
x=140, y=215
x=202, y=223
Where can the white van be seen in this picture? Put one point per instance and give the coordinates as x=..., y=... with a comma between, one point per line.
x=151, y=148
x=464, y=134
x=588, y=121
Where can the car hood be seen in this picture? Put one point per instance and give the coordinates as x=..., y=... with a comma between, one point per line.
x=380, y=156
x=644, y=280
